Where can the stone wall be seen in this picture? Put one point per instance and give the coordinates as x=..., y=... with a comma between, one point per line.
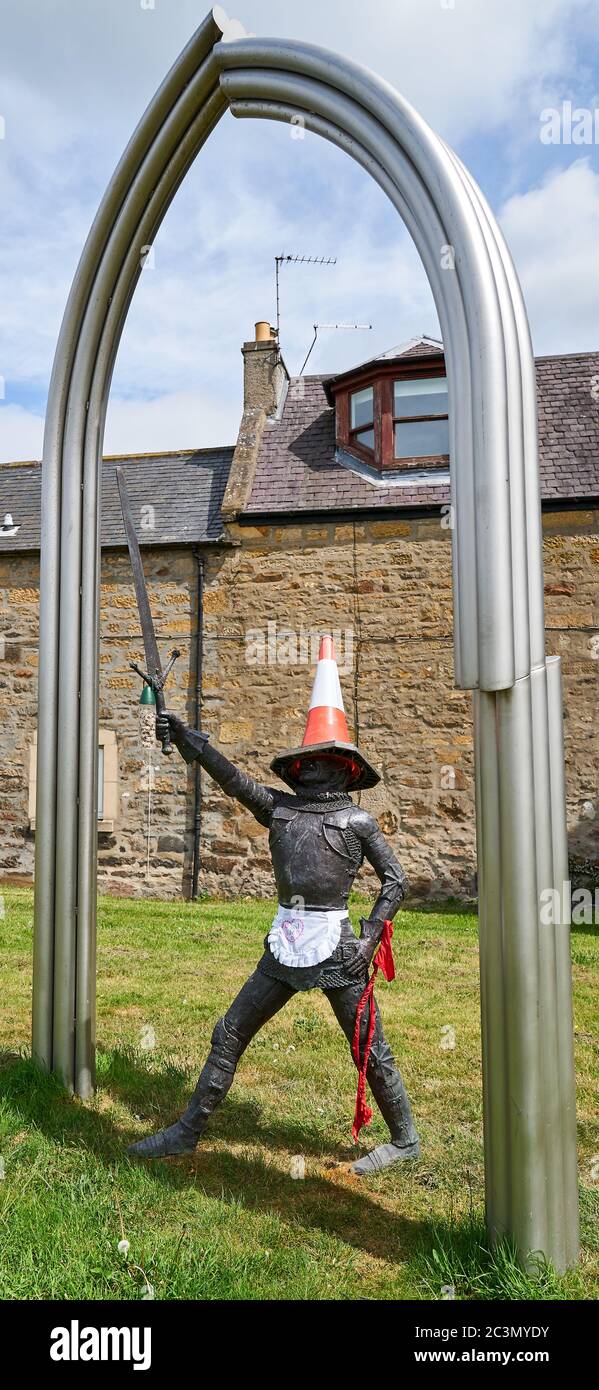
x=385, y=587
x=123, y=847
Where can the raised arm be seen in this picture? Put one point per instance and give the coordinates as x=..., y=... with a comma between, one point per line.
x=195, y=747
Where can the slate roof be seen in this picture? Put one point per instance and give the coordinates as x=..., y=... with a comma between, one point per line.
x=297, y=470
x=184, y=488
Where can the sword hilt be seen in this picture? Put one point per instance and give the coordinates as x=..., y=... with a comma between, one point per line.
x=157, y=687
x=160, y=702
x=169, y=665
x=167, y=746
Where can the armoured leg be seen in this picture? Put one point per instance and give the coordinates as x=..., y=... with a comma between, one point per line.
x=257, y=1002
x=384, y=1080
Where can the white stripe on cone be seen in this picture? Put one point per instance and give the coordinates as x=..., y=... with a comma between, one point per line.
x=326, y=689
x=326, y=716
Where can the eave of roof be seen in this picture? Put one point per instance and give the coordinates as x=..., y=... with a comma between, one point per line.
x=299, y=475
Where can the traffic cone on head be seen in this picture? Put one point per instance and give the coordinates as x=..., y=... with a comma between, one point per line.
x=326, y=715
x=326, y=729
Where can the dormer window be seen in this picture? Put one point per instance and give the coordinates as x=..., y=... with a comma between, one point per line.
x=391, y=414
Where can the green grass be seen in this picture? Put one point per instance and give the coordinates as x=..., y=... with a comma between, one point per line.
x=230, y=1222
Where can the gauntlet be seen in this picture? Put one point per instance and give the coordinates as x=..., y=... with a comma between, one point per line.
x=189, y=742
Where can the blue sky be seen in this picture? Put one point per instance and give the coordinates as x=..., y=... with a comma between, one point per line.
x=76, y=74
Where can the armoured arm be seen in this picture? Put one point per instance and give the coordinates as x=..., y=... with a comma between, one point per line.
x=194, y=746
x=394, y=884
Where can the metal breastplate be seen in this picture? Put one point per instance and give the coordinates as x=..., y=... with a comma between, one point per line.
x=315, y=855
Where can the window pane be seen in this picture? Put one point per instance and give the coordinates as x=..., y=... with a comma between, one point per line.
x=100, y=783
x=366, y=438
x=425, y=396
x=416, y=439
x=362, y=407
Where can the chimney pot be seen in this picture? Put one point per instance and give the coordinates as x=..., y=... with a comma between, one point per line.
x=264, y=332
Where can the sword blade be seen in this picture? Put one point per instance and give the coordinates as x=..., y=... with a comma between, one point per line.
x=153, y=661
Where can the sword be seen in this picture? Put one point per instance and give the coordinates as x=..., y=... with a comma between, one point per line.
x=156, y=676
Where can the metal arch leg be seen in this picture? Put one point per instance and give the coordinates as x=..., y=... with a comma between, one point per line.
x=527, y=1039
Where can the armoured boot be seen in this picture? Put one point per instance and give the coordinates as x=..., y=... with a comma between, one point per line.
x=392, y=1099
x=394, y=1106
x=214, y=1082
x=177, y=1139
x=258, y=1001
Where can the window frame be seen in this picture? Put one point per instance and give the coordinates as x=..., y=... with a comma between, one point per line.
x=415, y=419
x=356, y=430
x=382, y=379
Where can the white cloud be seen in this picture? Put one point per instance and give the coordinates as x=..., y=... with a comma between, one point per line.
x=467, y=66
x=71, y=101
x=211, y=279
x=21, y=433
x=177, y=420
x=553, y=233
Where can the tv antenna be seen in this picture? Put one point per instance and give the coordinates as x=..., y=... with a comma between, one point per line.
x=319, y=326
x=297, y=260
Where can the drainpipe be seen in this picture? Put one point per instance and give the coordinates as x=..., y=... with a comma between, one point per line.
x=197, y=723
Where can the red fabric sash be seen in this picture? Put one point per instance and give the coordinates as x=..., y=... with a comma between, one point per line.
x=384, y=962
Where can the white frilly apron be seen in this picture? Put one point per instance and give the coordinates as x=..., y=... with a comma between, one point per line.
x=303, y=938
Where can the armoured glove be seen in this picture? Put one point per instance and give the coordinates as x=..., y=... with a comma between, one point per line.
x=188, y=741
x=370, y=935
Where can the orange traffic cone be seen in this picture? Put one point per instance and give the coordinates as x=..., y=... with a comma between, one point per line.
x=326, y=715
x=326, y=726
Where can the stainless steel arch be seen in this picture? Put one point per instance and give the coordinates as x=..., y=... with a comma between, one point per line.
x=499, y=642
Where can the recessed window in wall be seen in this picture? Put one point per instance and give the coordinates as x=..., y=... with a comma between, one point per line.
x=107, y=779
x=362, y=417
x=101, y=781
x=420, y=423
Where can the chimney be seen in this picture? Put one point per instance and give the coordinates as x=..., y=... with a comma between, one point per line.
x=265, y=380
x=264, y=373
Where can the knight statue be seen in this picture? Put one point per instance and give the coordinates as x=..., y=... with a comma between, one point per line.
x=318, y=839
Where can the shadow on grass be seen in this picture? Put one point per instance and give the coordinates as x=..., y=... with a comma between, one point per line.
x=159, y=1098
x=443, y=1253
x=154, y=1096
x=340, y=1206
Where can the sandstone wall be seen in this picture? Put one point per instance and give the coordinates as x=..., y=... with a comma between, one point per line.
x=123, y=850
x=385, y=586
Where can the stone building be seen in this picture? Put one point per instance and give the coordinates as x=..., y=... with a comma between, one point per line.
x=331, y=512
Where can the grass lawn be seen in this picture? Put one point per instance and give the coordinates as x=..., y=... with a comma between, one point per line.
x=230, y=1222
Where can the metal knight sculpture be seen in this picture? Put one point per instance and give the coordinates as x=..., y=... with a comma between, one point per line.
x=318, y=840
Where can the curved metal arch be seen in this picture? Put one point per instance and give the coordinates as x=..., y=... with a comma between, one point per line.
x=498, y=593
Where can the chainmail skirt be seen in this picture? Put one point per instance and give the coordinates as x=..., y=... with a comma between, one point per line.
x=332, y=973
